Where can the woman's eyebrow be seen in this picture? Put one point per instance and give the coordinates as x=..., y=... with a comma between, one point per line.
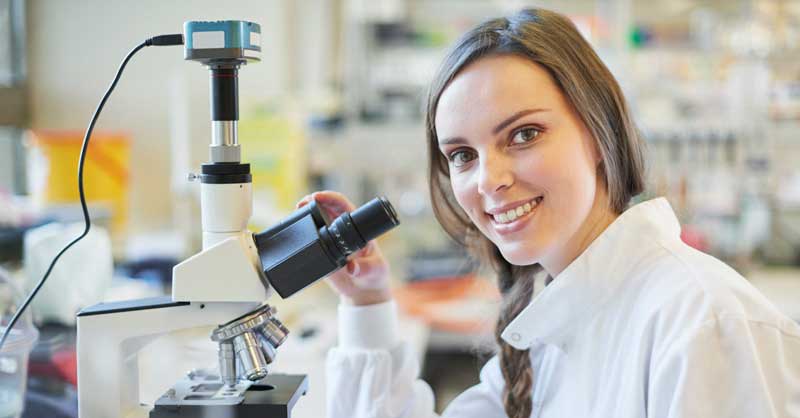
x=500, y=126
x=453, y=140
x=508, y=121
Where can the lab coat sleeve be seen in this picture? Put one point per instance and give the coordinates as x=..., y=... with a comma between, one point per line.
x=374, y=374
x=729, y=367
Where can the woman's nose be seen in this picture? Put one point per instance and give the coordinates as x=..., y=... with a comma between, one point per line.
x=494, y=174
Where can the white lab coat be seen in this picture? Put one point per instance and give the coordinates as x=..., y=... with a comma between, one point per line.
x=639, y=325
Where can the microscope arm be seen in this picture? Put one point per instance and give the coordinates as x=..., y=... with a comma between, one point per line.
x=228, y=271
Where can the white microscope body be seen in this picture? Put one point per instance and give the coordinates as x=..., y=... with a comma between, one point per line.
x=225, y=284
x=222, y=282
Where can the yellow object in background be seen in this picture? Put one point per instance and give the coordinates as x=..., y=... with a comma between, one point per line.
x=275, y=147
x=53, y=171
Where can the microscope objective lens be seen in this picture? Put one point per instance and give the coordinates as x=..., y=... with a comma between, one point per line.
x=248, y=350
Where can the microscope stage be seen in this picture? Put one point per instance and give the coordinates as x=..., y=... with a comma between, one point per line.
x=205, y=395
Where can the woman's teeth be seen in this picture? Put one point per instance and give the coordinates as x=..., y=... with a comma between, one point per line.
x=512, y=214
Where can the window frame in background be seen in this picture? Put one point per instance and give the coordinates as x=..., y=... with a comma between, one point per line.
x=14, y=111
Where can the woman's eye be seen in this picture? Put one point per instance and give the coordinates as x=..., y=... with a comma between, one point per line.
x=525, y=135
x=459, y=158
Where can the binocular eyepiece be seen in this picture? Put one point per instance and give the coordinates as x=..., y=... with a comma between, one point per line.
x=307, y=246
x=351, y=232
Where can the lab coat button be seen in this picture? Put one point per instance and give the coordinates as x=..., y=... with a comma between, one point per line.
x=515, y=336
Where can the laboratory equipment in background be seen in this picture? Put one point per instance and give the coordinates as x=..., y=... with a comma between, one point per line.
x=74, y=283
x=14, y=353
x=52, y=167
x=718, y=181
x=227, y=282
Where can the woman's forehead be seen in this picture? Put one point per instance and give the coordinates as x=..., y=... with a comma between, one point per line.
x=494, y=87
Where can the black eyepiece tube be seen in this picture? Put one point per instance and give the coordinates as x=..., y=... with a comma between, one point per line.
x=374, y=218
x=352, y=231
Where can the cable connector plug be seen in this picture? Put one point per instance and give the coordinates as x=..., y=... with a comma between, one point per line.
x=165, y=40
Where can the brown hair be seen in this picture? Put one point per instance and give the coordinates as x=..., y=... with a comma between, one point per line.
x=551, y=41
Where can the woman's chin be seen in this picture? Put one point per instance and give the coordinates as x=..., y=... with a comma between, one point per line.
x=520, y=255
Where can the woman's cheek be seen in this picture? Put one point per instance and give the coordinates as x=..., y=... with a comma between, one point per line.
x=458, y=191
x=465, y=194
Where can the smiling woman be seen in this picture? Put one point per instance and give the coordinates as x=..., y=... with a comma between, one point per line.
x=542, y=156
x=533, y=154
x=533, y=161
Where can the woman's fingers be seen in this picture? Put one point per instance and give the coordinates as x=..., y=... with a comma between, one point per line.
x=363, y=281
x=353, y=268
x=304, y=201
x=333, y=203
x=367, y=250
x=369, y=282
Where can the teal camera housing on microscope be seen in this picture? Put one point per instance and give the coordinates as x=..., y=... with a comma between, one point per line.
x=222, y=40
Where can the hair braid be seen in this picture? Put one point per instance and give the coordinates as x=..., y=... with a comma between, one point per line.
x=517, y=287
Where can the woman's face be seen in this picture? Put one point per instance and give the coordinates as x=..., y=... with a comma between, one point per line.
x=522, y=164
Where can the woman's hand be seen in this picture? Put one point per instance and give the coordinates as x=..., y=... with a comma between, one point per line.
x=365, y=278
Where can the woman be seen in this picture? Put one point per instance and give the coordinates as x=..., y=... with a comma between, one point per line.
x=533, y=162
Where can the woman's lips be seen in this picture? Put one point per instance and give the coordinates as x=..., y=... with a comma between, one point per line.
x=518, y=223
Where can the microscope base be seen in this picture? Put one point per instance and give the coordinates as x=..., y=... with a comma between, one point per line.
x=202, y=396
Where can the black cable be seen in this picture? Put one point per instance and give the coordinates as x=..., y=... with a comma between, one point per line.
x=162, y=40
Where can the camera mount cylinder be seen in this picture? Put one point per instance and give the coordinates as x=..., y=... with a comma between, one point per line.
x=224, y=133
x=224, y=93
x=224, y=113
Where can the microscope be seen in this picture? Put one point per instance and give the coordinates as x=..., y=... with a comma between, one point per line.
x=225, y=285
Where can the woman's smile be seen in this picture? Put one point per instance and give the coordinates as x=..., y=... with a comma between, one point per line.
x=511, y=218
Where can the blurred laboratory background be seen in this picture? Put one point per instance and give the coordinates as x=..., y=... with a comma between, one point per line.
x=336, y=103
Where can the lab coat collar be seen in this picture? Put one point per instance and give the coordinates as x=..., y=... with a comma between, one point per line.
x=594, y=277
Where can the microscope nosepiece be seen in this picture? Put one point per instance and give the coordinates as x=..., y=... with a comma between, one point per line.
x=247, y=344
